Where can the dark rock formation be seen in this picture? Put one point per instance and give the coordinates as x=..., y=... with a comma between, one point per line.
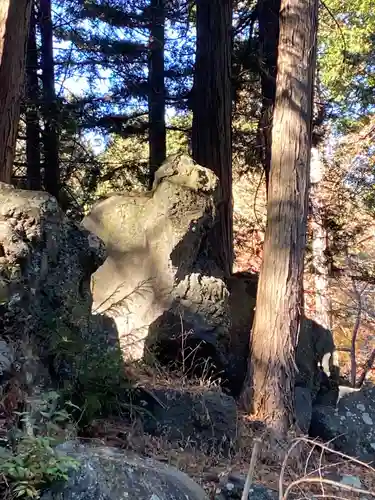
x=242, y=295
x=46, y=262
x=202, y=418
x=350, y=425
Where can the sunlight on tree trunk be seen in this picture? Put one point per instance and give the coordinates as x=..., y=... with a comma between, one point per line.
x=212, y=112
x=319, y=242
x=269, y=388
x=14, y=23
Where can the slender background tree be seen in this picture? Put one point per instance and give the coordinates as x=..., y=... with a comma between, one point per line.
x=212, y=111
x=50, y=106
x=32, y=108
x=14, y=26
x=268, y=16
x=156, y=105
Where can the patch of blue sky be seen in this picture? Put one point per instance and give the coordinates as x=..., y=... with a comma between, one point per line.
x=77, y=84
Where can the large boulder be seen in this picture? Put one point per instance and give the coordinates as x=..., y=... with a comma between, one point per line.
x=350, y=426
x=108, y=474
x=192, y=336
x=205, y=419
x=157, y=282
x=46, y=262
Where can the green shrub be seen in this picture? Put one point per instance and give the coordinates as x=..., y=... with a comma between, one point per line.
x=97, y=383
x=30, y=462
x=100, y=385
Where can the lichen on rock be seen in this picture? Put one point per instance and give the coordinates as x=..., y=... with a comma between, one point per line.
x=46, y=262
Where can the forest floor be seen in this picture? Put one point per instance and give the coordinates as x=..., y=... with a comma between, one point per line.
x=212, y=469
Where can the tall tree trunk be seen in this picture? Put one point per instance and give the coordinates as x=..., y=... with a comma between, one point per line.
x=32, y=113
x=49, y=106
x=14, y=26
x=319, y=241
x=269, y=388
x=156, y=101
x=268, y=15
x=212, y=112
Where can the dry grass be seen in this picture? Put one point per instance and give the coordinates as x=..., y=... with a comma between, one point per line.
x=206, y=468
x=158, y=377
x=309, y=470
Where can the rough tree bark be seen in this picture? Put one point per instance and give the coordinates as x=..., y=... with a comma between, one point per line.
x=32, y=114
x=49, y=106
x=212, y=112
x=269, y=388
x=156, y=98
x=14, y=26
x=268, y=16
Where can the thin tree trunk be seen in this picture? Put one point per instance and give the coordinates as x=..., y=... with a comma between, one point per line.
x=269, y=388
x=156, y=104
x=353, y=346
x=358, y=300
x=49, y=107
x=368, y=365
x=14, y=26
x=358, y=294
x=319, y=241
x=268, y=15
x=32, y=114
x=212, y=113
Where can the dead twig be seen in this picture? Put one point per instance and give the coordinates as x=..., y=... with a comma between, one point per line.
x=320, y=479
x=250, y=474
